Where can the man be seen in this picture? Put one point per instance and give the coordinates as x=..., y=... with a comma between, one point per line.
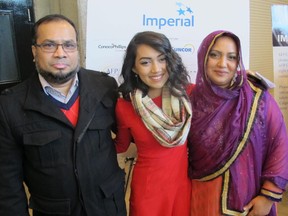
x=55, y=133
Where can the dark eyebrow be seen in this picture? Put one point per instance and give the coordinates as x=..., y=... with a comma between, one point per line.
x=222, y=52
x=215, y=50
x=48, y=41
x=144, y=58
x=148, y=58
x=52, y=41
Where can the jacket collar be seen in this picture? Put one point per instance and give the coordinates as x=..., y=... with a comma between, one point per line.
x=37, y=100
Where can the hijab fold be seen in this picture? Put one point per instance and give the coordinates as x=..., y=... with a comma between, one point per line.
x=220, y=115
x=233, y=131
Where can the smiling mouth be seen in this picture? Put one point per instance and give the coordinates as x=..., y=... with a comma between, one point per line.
x=156, y=78
x=221, y=73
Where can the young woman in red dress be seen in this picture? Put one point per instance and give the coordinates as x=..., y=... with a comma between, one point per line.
x=154, y=112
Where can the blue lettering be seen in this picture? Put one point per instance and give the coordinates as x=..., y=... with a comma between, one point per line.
x=163, y=22
x=183, y=49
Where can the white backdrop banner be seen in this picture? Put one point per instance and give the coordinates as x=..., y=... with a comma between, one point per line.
x=111, y=24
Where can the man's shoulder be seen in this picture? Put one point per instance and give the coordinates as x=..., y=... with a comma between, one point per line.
x=17, y=89
x=14, y=95
x=92, y=76
x=89, y=72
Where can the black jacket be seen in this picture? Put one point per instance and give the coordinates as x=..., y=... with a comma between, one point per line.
x=69, y=171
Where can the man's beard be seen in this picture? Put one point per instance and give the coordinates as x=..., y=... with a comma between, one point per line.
x=58, y=78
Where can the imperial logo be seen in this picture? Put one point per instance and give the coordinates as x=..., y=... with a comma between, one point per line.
x=185, y=18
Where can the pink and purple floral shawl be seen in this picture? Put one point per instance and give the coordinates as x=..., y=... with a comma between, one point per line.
x=237, y=133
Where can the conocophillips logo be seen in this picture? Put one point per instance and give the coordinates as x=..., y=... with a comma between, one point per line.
x=112, y=46
x=185, y=18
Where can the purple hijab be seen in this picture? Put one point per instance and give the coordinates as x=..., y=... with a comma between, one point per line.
x=233, y=129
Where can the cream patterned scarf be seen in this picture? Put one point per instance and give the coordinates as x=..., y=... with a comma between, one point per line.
x=169, y=125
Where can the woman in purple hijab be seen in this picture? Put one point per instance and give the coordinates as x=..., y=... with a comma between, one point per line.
x=238, y=151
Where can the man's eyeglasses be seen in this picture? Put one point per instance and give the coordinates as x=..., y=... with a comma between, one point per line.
x=51, y=47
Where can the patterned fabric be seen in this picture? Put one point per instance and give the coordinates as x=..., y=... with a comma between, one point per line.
x=237, y=134
x=169, y=125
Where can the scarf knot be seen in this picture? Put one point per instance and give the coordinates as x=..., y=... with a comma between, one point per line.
x=169, y=125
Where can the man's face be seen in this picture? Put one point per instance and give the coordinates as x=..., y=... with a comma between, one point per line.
x=60, y=66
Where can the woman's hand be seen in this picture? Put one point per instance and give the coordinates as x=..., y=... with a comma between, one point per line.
x=259, y=206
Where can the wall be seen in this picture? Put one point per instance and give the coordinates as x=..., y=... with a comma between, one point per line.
x=261, y=49
x=261, y=53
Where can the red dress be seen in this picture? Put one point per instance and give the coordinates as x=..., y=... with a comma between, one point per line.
x=160, y=183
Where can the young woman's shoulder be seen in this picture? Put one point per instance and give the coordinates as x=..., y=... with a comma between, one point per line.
x=190, y=88
x=123, y=105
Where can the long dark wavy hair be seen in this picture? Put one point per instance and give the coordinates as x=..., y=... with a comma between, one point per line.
x=178, y=75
